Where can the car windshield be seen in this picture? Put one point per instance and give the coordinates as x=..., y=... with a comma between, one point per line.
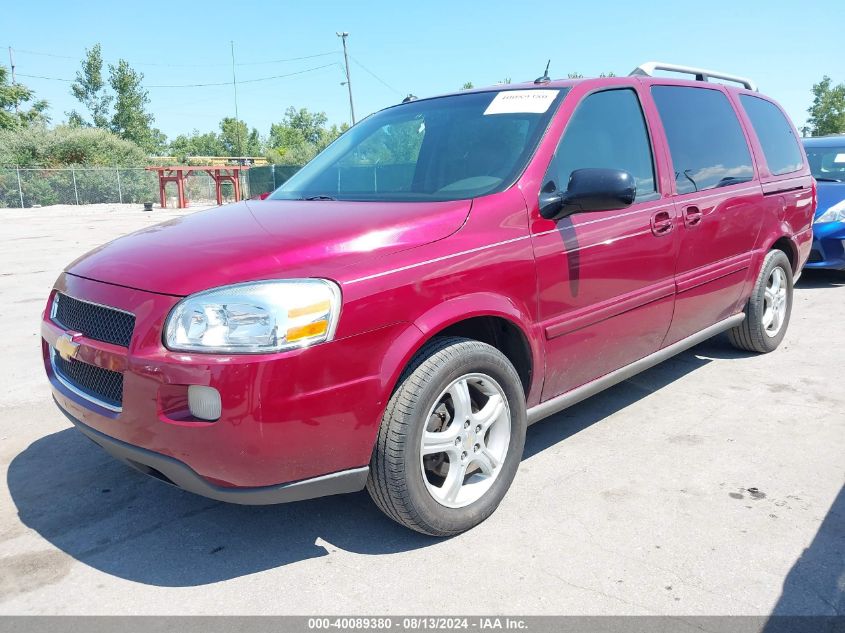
x=827, y=163
x=447, y=148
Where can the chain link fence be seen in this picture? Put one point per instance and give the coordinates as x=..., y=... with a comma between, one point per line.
x=269, y=177
x=36, y=187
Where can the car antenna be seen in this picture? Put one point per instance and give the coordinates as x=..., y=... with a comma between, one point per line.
x=545, y=78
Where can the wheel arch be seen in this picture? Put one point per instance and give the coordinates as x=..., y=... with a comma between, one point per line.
x=779, y=239
x=788, y=247
x=501, y=333
x=487, y=318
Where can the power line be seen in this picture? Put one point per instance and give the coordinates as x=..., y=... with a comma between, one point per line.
x=202, y=85
x=289, y=59
x=22, y=50
x=216, y=98
x=43, y=77
x=205, y=65
x=298, y=72
x=213, y=65
x=377, y=78
x=177, y=107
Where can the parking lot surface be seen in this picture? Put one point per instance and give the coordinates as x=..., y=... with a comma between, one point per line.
x=711, y=484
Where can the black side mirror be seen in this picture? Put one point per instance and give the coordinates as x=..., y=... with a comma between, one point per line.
x=589, y=189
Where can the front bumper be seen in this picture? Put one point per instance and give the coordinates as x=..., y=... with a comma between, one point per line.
x=179, y=474
x=828, y=246
x=300, y=416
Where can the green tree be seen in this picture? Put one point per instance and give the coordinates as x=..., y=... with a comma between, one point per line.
x=394, y=144
x=238, y=140
x=827, y=114
x=468, y=85
x=300, y=125
x=310, y=124
x=197, y=144
x=296, y=155
x=39, y=146
x=130, y=120
x=283, y=136
x=90, y=89
x=18, y=106
x=300, y=135
x=332, y=133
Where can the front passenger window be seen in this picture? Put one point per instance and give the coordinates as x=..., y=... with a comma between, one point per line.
x=607, y=130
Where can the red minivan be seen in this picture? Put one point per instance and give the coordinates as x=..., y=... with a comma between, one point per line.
x=447, y=272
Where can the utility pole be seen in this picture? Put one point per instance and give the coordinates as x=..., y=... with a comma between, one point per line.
x=12, y=64
x=343, y=36
x=235, y=89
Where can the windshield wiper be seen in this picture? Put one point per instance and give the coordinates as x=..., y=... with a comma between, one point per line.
x=320, y=197
x=828, y=180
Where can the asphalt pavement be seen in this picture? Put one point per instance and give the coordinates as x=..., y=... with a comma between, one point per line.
x=711, y=484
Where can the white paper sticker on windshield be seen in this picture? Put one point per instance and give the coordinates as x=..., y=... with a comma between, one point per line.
x=521, y=101
x=840, y=158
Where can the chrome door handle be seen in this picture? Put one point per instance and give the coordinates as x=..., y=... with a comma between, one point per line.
x=662, y=223
x=692, y=216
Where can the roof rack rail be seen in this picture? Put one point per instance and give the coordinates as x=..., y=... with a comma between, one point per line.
x=647, y=69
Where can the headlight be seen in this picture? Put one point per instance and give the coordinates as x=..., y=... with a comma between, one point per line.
x=255, y=317
x=836, y=213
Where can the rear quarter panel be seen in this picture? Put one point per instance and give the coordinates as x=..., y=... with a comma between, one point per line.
x=789, y=198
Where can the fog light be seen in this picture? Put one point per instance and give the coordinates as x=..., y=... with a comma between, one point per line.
x=204, y=402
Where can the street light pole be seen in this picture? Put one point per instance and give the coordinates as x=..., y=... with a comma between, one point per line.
x=343, y=35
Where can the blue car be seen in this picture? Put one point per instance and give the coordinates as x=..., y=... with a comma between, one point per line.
x=827, y=162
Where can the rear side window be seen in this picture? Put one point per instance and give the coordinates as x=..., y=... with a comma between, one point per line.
x=607, y=130
x=705, y=138
x=775, y=133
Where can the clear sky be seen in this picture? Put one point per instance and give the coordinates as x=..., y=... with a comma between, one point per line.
x=425, y=47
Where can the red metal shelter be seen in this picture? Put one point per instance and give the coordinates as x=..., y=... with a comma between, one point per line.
x=179, y=174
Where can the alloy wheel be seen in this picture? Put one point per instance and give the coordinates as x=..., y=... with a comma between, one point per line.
x=775, y=302
x=465, y=440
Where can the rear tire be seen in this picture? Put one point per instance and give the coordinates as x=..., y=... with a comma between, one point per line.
x=768, y=309
x=451, y=438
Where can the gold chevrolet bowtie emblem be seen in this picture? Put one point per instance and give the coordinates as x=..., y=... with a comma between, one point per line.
x=66, y=346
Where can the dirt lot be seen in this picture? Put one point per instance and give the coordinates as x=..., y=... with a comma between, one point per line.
x=711, y=484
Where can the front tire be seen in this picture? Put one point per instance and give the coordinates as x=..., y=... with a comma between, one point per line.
x=451, y=438
x=768, y=309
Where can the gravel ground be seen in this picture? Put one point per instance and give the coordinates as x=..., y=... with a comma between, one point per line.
x=711, y=484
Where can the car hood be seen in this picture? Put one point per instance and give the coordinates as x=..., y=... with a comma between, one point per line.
x=266, y=239
x=828, y=194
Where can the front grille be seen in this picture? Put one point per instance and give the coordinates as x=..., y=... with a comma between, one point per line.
x=92, y=381
x=94, y=321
